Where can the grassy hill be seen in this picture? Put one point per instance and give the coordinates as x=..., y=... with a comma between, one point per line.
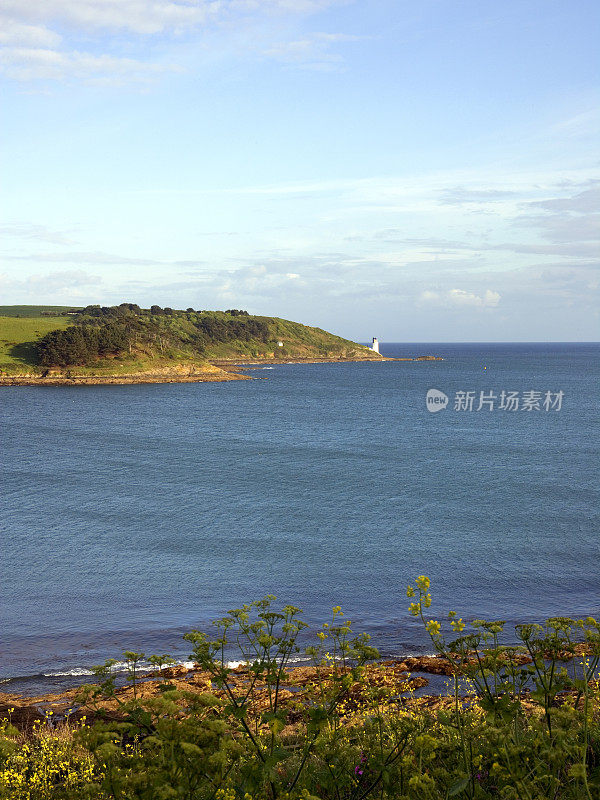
x=127, y=339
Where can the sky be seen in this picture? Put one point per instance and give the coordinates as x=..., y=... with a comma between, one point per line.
x=417, y=171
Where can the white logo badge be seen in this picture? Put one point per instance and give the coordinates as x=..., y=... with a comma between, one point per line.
x=436, y=400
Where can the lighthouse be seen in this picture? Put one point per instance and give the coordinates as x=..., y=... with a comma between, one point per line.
x=375, y=345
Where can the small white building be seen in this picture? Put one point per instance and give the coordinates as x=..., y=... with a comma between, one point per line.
x=279, y=344
x=375, y=345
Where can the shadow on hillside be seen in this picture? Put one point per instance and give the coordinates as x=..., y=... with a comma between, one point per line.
x=25, y=352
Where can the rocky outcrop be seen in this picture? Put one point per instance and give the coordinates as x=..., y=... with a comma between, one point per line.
x=178, y=373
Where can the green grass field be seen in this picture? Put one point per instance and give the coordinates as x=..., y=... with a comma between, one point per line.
x=34, y=311
x=19, y=334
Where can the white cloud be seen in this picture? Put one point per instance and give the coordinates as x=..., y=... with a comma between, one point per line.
x=571, y=250
x=588, y=200
x=152, y=16
x=24, y=64
x=37, y=51
x=565, y=227
x=312, y=51
x=428, y=296
x=58, y=281
x=460, y=298
x=92, y=257
x=587, y=122
x=137, y=16
x=64, y=282
x=459, y=195
x=18, y=33
x=32, y=232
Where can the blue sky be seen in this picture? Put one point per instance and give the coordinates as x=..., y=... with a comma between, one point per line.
x=418, y=171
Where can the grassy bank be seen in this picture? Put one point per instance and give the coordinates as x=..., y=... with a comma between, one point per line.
x=517, y=722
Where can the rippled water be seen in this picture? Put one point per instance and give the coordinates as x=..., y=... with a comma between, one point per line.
x=130, y=513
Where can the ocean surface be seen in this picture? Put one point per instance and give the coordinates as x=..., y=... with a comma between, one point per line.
x=130, y=514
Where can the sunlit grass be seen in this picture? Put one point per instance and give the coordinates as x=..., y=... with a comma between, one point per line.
x=19, y=334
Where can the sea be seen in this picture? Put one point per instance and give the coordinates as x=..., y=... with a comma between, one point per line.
x=132, y=514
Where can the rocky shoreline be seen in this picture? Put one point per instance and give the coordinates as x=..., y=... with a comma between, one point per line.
x=24, y=711
x=216, y=370
x=250, y=362
x=402, y=676
x=178, y=374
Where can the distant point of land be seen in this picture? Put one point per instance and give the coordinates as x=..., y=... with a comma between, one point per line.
x=129, y=344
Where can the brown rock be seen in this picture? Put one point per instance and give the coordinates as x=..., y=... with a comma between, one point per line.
x=21, y=716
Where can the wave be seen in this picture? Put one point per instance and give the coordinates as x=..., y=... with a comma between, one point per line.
x=119, y=666
x=74, y=673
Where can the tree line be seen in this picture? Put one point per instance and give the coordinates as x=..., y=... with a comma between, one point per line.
x=101, y=331
x=81, y=344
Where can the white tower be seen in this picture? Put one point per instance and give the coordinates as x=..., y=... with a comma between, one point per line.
x=375, y=345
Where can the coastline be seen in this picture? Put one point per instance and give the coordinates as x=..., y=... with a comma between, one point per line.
x=216, y=370
x=63, y=704
x=251, y=362
x=182, y=373
x=406, y=674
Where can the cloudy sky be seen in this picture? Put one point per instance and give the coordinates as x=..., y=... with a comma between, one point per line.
x=420, y=171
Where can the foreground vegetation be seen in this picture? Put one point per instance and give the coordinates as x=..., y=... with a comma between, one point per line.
x=127, y=337
x=519, y=721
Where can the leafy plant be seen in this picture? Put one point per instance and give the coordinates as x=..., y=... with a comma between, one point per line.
x=521, y=722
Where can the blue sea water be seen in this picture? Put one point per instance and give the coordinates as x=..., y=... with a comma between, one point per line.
x=132, y=513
